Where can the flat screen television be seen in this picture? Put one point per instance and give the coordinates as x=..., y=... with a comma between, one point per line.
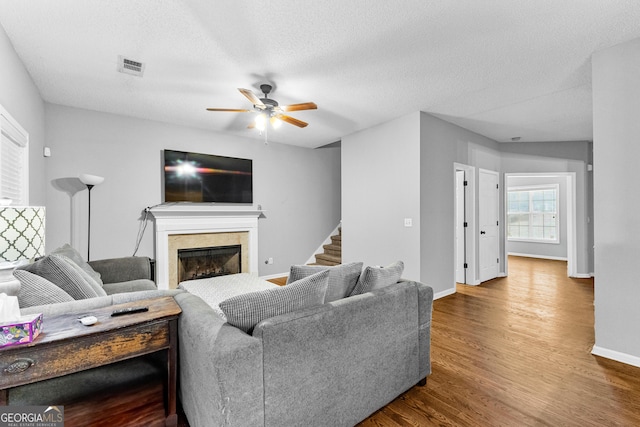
x=206, y=178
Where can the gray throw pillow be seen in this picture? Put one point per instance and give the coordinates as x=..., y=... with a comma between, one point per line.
x=95, y=286
x=36, y=290
x=378, y=277
x=342, y=278
x=68, y=251
x=60, y=271
x=247, y=310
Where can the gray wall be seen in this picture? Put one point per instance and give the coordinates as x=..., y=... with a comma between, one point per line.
x=20, y=97
x=568, y=157
x=383, y=182
x=616, y=146
x=298, y=188
x=380, y=188
x=443, y=144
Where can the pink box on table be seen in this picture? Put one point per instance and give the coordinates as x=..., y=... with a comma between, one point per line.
x=21, y=331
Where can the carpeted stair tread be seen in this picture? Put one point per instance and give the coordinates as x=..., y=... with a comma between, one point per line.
x=324, y=259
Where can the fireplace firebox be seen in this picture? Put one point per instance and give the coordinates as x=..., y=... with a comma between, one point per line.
x=201, y=263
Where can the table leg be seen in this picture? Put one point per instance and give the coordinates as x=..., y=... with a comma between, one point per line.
x=172, y=375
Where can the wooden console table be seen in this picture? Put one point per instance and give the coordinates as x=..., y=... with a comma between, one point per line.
x=66, y=346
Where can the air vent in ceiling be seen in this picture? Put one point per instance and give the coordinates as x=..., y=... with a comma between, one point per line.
x=129, y=66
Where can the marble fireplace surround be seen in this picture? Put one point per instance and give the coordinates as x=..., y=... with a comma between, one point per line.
x=181, y=226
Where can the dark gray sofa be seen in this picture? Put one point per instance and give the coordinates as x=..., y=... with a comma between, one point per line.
x=331, y=365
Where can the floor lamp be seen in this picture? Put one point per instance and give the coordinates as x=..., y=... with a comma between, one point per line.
x=90, y=181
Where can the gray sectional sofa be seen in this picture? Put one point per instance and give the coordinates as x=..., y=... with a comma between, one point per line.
x=332, y=364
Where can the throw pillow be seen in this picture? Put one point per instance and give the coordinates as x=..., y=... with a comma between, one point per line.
x=97, y=288
x=378, y=277
x=342, y=278
x=36, y=290
x=247, y=310
x=68, y=251
x=60, y=271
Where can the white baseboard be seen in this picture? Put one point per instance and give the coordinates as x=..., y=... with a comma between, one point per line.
x=555, y=258
x=582, y=276
x=444, y=293
x=616, y=355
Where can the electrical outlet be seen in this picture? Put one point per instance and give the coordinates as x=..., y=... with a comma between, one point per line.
x=408, y=222
x=269, y=261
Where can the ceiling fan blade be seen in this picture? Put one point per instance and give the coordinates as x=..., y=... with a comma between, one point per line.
x=231, y=110
x=252, y=97
x=299, y=107
x=292, y=121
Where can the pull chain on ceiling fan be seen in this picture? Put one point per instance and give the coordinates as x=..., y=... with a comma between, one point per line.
x=269, y=110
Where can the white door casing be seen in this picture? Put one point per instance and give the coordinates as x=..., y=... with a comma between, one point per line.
x=460, y=230
x=488, y=222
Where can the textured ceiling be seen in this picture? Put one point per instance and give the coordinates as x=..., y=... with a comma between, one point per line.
x=501, y=68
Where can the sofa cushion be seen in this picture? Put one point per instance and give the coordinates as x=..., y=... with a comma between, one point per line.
x=378, y=277
x=247, y=310
x=129, y=286
x=67, y=275
x=36, y=290
x=68, y=251
x=342, y=278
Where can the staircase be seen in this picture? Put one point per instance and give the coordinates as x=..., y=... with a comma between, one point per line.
x=332, y=254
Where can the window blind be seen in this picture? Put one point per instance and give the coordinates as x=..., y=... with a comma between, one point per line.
x=13, y=161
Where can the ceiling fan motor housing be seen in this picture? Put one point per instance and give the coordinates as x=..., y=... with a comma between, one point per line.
x=269, y=102
x=266, y=89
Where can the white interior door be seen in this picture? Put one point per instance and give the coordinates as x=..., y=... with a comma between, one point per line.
x=488, y=217
x=460, y=230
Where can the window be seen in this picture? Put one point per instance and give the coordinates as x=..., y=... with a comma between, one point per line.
x=532, y=214
x=14, y=160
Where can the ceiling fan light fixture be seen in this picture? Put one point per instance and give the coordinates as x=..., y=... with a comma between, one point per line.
x=261, y=122
x=275, y=122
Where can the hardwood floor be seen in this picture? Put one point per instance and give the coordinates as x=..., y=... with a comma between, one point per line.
x=513, y=351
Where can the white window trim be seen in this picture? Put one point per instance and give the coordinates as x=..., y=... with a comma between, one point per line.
x=11, y=129
x=534, y=188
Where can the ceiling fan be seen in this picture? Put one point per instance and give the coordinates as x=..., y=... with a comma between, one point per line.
x=269, y=109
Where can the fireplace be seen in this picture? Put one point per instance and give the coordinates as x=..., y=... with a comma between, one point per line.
x=201, y=263
x=201, y=225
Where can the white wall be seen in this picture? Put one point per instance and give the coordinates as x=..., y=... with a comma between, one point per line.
x=616, y=146
x=298, y=188
x=21, y=98
x=381, y=187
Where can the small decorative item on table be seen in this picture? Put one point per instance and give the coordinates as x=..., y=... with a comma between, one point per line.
x=21, y=331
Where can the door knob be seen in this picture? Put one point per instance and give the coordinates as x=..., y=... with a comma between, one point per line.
x=482, y=232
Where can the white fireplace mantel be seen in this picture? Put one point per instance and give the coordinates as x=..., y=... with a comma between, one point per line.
x=196, y=219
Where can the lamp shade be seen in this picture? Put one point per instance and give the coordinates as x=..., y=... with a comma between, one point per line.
x=21, y=232
x=87, y=179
